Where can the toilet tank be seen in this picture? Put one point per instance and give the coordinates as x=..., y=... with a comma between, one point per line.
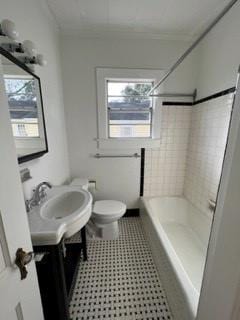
x=80, y=182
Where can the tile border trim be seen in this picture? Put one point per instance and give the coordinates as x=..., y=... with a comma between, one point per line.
x=213, y=96
x=133, y=212
x=142, y=171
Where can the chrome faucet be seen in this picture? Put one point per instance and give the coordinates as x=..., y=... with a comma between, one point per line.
x=39, y=193
x=212, y=205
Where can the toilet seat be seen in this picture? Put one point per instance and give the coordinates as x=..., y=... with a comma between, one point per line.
x=109, y=208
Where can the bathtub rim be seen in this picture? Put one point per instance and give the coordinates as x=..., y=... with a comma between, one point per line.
x=191, y=294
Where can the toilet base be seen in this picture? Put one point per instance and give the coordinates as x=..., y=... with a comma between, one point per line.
x=109, y=231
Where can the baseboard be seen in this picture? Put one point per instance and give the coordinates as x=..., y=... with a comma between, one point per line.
x=134, y=212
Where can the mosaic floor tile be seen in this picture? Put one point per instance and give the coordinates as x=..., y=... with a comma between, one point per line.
x=119, y=280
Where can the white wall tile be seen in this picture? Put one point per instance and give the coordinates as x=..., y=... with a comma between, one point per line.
x=165, y=166
x=207, y=142
x=190, y=157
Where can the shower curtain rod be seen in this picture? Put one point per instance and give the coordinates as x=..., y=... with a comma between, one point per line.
x=195, y=43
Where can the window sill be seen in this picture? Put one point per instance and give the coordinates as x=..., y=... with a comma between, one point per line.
x=123, y=143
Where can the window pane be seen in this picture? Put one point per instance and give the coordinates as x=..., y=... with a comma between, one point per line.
x=116, y=117
x=128, y=88
x=20, y=90
x=129, y=109
x=25, y=129
x=23, y=114
x=22, y=106
x=129, y=103
x=128, y=131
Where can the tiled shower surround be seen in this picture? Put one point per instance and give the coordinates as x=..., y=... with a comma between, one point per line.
x=207, y=142
x=189, y=159
x=165, y=166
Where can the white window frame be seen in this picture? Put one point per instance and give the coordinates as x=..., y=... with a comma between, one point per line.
x=121, y=74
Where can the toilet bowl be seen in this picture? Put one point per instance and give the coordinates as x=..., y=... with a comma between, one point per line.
x=105, y=214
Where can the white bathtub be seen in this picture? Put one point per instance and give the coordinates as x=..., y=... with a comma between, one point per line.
x=178, y=234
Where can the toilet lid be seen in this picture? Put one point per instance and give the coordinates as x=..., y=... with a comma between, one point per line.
x=109, y=207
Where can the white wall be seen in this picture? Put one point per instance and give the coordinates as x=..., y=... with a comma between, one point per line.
x=34, y=22
x=219, y=55
x=116, y=178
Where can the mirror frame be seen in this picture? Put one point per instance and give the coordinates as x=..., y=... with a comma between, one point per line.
x=39, y=154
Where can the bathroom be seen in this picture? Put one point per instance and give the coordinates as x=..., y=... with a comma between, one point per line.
x=113, y=218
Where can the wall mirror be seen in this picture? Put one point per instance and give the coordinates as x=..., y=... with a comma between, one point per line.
x=23, y=90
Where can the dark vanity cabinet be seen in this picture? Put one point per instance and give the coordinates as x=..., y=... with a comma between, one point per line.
x=57, y=272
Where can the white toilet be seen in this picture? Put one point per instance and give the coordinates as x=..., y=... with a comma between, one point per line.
x=105, y=213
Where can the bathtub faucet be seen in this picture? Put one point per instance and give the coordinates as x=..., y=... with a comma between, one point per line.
x=212, y=205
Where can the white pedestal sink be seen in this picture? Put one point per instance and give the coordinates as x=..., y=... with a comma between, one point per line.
x=64, y=211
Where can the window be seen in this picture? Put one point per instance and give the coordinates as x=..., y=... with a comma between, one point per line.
x=23, y=106
x=21, y=130
x=127, y=116
x=129, y=109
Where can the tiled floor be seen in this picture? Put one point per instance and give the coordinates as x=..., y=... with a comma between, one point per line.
x=119, y=280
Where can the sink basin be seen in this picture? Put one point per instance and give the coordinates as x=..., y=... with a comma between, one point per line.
x=65, y=211
x=63, y=205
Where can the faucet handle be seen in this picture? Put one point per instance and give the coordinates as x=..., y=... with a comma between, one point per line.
x=212, y=205
x=28, y=205
x=43, y=193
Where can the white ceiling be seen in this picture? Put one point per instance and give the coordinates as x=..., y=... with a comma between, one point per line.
x=148, y=18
